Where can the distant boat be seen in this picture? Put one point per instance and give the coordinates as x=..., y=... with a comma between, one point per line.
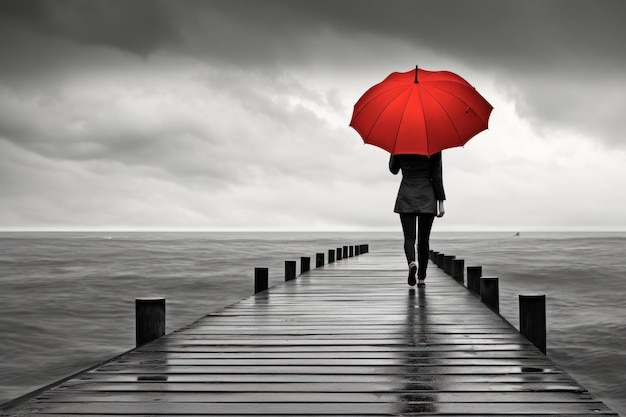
x=516, y=234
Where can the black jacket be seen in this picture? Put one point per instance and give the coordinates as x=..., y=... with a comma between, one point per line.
x=422, y=182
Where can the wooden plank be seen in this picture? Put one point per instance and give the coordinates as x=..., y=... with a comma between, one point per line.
x=452, y=355
x=354, y=409
x=386, y=396
x=328, y=386
x=172, y=377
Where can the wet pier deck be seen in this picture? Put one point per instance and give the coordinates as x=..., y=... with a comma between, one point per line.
x=346, y=339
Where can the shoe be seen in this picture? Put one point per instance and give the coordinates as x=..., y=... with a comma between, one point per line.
x=421, y=283
x=412, y=272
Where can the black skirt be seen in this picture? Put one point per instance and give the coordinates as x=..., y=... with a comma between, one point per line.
x=416, y=196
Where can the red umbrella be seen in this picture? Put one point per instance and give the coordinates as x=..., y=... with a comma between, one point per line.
x=420, y=112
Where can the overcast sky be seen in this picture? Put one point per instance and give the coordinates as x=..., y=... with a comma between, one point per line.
x=214, y=115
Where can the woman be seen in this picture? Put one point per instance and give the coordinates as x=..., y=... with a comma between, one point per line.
x=420, y=199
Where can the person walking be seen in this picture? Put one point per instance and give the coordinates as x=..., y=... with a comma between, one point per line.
x=420, y=198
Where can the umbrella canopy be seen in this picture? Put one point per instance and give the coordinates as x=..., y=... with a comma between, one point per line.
x=420, y=112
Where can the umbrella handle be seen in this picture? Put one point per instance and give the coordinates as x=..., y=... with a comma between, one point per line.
x=415, y=75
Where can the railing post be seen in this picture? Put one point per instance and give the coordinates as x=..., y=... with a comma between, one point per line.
x=440, y=256
x=290, y=270
x=149, y=319
x=261, y=279
x=458, y=267
x=473, y=278
x=331, y=256
x=489, y=293
x=305, y=264
x=319, y=260
x=447, y=263
x=532, y=319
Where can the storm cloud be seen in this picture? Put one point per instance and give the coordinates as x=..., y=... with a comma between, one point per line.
x=234, y=114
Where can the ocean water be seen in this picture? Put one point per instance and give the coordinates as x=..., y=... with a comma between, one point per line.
x=67, y=299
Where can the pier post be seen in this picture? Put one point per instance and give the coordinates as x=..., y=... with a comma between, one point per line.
x=345, y=251
x=290, y=270
x=433, y=256
x=149, y=319
x=339, y=253
x=473, y=278
x=319, y=260
x=458, y=269
x=490, y=293
x=365, y=248
x=350, y=251
x=331, y=256
x=261, y=279
x=439, y=262
x=447, y=263
x=532, y=319
x=357, y=250
x=305, y=264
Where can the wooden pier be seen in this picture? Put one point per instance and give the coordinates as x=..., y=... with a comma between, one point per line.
x=350, y=338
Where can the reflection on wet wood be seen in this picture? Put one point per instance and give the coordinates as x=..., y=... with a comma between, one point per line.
x=349, y=338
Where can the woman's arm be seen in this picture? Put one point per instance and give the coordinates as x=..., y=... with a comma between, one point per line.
x=440, y=210
x=436, y=175
x=394, y=165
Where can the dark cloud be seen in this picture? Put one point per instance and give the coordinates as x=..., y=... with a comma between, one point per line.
x=516, y=34
x=550, y=56
x=216, y=95
x=138, y=26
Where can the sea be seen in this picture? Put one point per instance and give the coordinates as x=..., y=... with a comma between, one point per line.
x=67, y=298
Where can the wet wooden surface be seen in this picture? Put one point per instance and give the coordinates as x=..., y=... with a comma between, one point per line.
x=348, y=339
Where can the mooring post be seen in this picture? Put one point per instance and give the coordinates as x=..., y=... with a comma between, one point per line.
x=490, y=293
x=440, y=256
x=532, y=319
x=331, y=256
x=447, y=263
x=149, y=319
x=261, y=279
x=345, y=251
x=319, y=260
x=305, y=264
x=290, y=270
x=473, y=278
x=458, y=269
x=339, y=252
x=350, y=251
x=433, y=257
x=357, y=250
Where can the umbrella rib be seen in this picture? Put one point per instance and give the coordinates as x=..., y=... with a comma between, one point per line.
x=425, y=122
x=461, y=100
x=381, y=112
x=364, y=105
x=406, y=103
x=448, y=114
